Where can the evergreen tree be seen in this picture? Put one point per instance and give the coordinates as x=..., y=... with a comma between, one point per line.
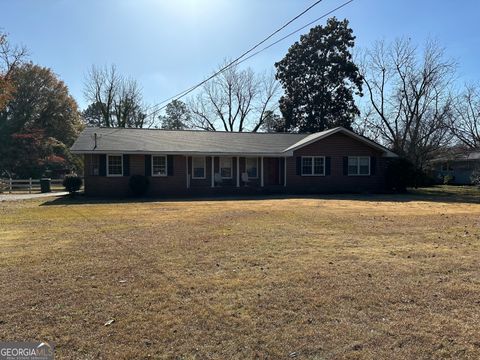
x=320, y=79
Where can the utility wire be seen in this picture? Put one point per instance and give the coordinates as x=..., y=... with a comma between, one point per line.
x=239, y=60
x=185, y=92
x=296, y=31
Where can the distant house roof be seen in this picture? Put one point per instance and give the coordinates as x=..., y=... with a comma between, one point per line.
x=459, y=156
x=131, y=141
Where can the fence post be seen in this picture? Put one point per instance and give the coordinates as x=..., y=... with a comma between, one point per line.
x=30, y=185
x=10, y=186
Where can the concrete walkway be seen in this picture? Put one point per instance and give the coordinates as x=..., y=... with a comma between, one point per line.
x=16, y=197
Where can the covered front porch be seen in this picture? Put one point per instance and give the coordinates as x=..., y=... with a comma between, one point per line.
x=227, y=172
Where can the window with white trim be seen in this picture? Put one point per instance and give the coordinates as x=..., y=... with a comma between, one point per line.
x=313, y=165
x=159, y=166
x=359, y=165
x=251, y=166
x=114, y=165
x=198, y=167
x=226, y=167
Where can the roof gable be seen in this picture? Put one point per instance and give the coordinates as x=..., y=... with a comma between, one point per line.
x=310, y=139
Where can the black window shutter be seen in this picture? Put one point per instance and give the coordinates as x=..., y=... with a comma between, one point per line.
x=126, y=165
x=345, y=165
x=103, y=165
x=299, y=165
x=373, y=165
x=170, y=165
x=148, y=165
x=327, y=165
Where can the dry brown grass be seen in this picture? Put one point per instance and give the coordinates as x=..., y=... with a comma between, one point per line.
x=315, y=278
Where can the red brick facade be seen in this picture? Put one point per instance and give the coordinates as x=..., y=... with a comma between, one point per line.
x=335, y=147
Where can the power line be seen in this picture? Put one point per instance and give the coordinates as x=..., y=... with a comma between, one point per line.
x=239, y=60
x=296, y=31
x=185, y=92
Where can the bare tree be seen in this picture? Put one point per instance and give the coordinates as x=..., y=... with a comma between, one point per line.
x=116, y=101
x=410, y=104
x=465, y=124
x=236, y=100
x=11, y=56
x=101, y=88
x=128, y=107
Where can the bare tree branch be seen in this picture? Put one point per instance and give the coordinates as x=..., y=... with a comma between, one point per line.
x=410, y=103
x=237, y=100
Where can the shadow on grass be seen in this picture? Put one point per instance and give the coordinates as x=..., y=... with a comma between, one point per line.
x=448, y=194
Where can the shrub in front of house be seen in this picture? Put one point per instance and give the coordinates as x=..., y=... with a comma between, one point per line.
x=72, y=183
x=448, y=179
x=475, y=177
x=400, y=174
x=138, y=185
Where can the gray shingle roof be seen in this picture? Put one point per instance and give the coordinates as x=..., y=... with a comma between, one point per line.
x=131, y=141
x=188, y=142
x=459, y=156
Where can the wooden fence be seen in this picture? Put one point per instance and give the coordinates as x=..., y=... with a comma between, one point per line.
x=30, y=185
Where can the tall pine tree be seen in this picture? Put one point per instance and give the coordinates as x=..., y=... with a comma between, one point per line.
x=320, y=79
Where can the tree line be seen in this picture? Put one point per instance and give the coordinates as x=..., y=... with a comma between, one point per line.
x=401, y=95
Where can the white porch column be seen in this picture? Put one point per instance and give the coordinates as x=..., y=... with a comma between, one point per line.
x=261, y=167
x=285, y=171
x=238, y=171
x=213, y=172
x=186, y=172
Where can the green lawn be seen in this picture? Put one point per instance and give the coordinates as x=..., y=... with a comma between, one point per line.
x=333, y=277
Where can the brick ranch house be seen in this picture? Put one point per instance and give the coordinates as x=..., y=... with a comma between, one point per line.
x=202, y=162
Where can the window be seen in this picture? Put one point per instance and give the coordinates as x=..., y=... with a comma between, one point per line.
x=159, y=166
x=358, y=165
x=251, y=165
x=313, y=165
x=226, y=167
x=114, y=165
x=198, y=167
x=447, y=167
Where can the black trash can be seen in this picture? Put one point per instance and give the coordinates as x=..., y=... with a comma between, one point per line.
x=45, y=185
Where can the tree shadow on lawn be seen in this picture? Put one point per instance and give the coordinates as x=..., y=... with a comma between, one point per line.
x=448, y=194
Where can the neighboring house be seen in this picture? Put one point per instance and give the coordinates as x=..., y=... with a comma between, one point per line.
x=207, y=162
x=460, y=166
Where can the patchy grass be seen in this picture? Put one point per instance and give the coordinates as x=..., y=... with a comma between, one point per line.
x=354, y=277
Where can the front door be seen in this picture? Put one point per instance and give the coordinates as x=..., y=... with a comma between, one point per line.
x=272, y=171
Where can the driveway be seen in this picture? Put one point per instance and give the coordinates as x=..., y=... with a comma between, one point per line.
x=16, y=197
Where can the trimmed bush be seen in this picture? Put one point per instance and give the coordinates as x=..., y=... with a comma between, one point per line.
x=72, y=183
x=138, y=184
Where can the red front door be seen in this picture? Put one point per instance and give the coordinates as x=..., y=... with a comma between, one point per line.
x=272, y=171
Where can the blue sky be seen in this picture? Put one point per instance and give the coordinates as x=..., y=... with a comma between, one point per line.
x=170, y=45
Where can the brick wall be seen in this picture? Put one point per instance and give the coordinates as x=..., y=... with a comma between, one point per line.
x=336, y=147
x=118, y=186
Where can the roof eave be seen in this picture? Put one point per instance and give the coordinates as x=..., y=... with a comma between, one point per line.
x=185, y=153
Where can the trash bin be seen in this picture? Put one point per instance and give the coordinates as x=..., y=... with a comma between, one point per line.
x=45, y=185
